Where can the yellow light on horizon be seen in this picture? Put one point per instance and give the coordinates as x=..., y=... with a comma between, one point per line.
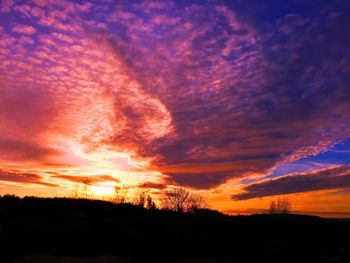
x=106, y=190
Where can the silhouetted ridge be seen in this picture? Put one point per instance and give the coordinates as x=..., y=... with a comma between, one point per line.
x=91, y=228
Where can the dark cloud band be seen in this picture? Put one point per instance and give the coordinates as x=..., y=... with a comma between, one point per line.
x=332, y=178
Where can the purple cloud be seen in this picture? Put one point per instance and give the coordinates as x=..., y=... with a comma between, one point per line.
x=330, y=178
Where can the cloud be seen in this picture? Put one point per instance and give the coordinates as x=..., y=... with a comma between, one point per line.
x=330, y=178
x=40, y=3
x=17, y=150
x=234, y=93
x=24, y=29
x=23, y=178
x=84, y=7
x=199, y=180
x=88, y=180
x=199, y=92
x=6, y=6
x=26, y=113
x=153, y=185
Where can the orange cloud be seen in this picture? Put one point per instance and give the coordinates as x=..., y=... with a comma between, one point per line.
x=23, y=178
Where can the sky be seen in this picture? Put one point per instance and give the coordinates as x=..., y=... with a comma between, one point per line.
x=241, y=101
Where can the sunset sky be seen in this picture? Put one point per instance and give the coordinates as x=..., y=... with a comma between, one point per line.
x=242, y=101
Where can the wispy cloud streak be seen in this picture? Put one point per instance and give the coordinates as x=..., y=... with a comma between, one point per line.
x=325, y=179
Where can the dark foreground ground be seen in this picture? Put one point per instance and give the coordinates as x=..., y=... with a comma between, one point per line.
x=74, y=230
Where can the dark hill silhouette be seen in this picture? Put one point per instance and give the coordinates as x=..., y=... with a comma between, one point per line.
x=63, y=227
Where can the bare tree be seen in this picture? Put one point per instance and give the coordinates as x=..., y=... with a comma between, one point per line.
x=143, y=198
x=195, y=201
x=272, y=209
x=140, y=198
x=120, y=195
x=82, y=189
x=75, y=191
x=281, y=206
x=86, y=192
x=175, y=199
x=181, y=200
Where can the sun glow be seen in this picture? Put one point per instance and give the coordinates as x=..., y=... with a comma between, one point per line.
x=103, y=189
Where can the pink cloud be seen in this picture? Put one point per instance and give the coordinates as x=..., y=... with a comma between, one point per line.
x=37, y=12
x=84, y=7
x=25, y=10
x=24, y=29
x=6, y=6
x=17, y=150
x=26, y=40
x=40, y=3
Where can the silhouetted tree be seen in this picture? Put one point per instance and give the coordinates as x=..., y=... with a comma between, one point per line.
x=195, y=202
x=86, y=192
x=150, y=204
x=140, y=198
x=272, y=209
x=181, y=200
x=120, y=195
x=9, y=200
x=281, y=206
x=175, y=199
x=82, y=189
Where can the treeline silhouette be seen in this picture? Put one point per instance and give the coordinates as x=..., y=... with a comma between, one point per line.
x=177, y=199
x=89, y=228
